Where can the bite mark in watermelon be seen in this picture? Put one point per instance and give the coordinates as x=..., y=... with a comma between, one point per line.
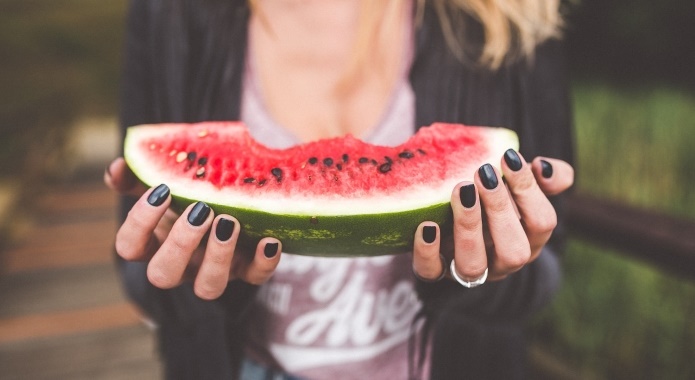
x=331, y=197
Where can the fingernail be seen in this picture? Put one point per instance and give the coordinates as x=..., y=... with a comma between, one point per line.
x=199, y=214
x=429, y=233
x=158, y=195
x=488, y=176
x=224, y=230
x=467, y=195
x=270, y=250
x=512, y=159
x=546, y=169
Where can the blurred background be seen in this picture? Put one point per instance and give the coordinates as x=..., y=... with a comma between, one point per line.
x=627, y=308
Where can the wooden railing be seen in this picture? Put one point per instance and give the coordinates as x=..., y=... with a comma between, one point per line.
x=663, y=241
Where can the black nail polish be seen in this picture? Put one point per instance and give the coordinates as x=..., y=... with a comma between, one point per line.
x=488, y=176
x=158, y=195
x=429, y=233
x=199, y=214
x=467, y=195
x=224, y=230
x=270, y=250
x=546, y=169
x=512, y=159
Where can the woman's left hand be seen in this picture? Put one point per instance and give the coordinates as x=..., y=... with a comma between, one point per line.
x=518, y=220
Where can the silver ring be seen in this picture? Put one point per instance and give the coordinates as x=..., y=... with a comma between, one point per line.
x=469, y=284
x=441, y=276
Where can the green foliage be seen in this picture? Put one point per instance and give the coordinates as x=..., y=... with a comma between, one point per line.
x=636, y=145
x=59, y=60
x=617, y=318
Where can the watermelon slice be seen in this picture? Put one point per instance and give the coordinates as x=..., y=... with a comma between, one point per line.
x=332, y=197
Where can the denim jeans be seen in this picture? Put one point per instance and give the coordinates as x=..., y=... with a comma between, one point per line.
x=251, y=370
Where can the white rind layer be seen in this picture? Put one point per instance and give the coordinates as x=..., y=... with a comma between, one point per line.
x=410, y=198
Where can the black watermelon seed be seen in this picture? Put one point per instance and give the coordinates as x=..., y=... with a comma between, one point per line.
x=339, y=166
x=421, y=151
x=191, y=156
x=363, y=160
x=385, y=167
x=345, y=157
x=262, y=182
x=277, y=173
x=406, y=154
x=249, y=180
x=202, y=161
x=388, y=159
x=374, y=162
x=328, y=161
x=313, y=160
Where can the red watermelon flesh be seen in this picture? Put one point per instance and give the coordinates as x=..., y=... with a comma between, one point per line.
x=343, y=180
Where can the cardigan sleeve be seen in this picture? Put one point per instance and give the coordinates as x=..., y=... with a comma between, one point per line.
x=140, y=103
x=531, y=97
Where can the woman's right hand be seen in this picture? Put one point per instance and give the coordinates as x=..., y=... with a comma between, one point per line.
x=174, y=244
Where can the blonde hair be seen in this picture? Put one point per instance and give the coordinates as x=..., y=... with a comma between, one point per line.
x=511, y=27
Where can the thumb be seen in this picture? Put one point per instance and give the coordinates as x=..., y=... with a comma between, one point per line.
x=553, y=176
x=119, y=178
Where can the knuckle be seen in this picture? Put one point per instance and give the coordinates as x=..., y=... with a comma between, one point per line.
x=138, y=221
x=427, y=254
x=467, y=244
x=216, y=258
x=516, y=257
x=160, y=279
x=543, y=223
x=207, y=292
x=524, y=182
x=496, y=204
x=468, y=223
x=126, y=249
x=178, y=245
x=260, y=275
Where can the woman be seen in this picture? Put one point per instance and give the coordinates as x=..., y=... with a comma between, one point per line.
x=296, y=71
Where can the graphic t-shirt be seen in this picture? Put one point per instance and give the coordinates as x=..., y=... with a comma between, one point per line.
x=341, y=318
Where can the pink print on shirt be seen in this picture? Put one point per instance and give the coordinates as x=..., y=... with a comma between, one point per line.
x=318, y=314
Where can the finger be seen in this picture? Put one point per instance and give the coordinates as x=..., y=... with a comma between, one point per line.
x=553, y=176
x=120, y=178
x=265, y=260
x=469, y=246
x=537, y=214
x=511, y=247
x=167, y=267
x=135, y=239
x=427, y=263
x=213, y=274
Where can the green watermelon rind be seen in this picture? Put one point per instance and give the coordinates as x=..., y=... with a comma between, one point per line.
x=333, y=236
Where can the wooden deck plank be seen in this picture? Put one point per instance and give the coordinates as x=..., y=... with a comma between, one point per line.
x=58, y=245
x=70, y=288
x=62, y=311
x=45, y=325
x=117, y=353
x=80, y=197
